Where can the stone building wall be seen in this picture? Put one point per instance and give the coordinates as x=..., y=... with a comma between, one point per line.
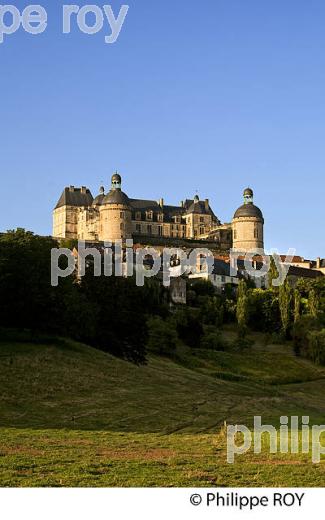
x=65, y=222
x=247, y=233
x=115, y=222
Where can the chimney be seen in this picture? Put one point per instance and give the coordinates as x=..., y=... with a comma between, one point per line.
x=71, y=188
x=206, y=204
x=318, y=263
x=161, y=203
x=83, y=189
x=182, y=204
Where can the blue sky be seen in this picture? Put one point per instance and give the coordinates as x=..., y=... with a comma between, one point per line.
x=211, y=96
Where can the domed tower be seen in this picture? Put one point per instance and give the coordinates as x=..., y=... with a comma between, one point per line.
x=99, y=199
x=248, y=225
x=115, y=213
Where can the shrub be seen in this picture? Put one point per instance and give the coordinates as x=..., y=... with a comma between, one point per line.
x=203, y=288
x=229, y=315
x=316, y=346
x=212, y=340
x=211, y=310
x=301, y=329
x=189, y=327
x=162, y=336
x=242, y=343
x=275, y=338
x=264, y=312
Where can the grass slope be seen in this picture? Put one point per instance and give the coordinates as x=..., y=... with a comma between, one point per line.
x=74, y=416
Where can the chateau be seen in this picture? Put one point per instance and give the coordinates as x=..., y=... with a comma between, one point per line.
x=115, y=216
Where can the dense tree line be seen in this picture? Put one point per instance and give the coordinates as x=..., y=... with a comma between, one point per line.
x=113, y=314
x=109, y=313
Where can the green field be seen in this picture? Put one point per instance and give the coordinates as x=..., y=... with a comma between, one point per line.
x=75, y=416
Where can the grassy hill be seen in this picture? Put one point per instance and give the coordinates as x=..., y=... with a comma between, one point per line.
x=74, y=416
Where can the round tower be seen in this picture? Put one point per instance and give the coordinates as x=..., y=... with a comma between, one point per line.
x=115, y=213
x=248, y=225
x=100, y=197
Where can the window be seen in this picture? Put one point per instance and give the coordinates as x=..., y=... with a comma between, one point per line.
x=122, y=226
x=149, y=229
x=235, y=234
x=256, y=232
x=149, y=215
x=202, y=220
x=122, y=214
x=138, y=228
x=160, y=231
x=201, y=230
x=138, y=215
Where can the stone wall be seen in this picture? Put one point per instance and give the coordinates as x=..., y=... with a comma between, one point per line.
x=248, y=233
x=115, y=222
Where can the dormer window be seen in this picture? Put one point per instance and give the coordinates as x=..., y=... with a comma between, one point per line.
x=138, y=215
x=149, y=215
x=160, y=217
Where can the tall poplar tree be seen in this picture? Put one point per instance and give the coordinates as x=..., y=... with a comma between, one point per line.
x=313, y=302
x=297, y=305
x=284, y=304
x=242, y=308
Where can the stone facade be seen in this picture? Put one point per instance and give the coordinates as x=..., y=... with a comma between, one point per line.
x=113, y=216
x=247, y=233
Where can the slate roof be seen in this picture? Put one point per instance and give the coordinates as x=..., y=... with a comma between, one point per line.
x=303, y=272
x=145, y=205
x=249, y=210
x=82, y=197
x=116, y=196
x=99, y=199
x=139, y=205
x=221, y=268
x=75, y=197
x=172, y=211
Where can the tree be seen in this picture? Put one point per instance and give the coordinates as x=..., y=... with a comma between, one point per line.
x=189, y=327
x=121, y=318
x=203, y=288
x=313, y=302
x=273, y=274
x=264, y=313
x=27, y=299
x=162, y=336
x=242, y=308
x=212, y=310
x=297, y=305
x=284, y=304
